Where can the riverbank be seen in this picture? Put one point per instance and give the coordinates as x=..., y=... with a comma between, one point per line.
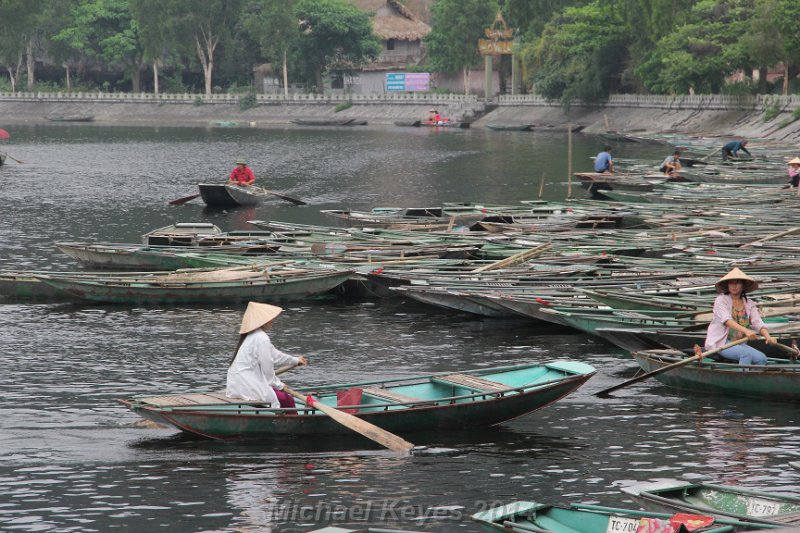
x=757, y=117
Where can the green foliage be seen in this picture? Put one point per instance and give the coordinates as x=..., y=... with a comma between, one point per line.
x=772, y=108
x=344, y=105
x=198, y=101
x=335, y=36
x=248, y=101
x=456, y=27
x=580, y=55
x=701, y=53
x=746, y=87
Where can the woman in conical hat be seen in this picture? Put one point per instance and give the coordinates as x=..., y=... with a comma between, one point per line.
x=251, y=374
x=736, y=316
x=794, y=171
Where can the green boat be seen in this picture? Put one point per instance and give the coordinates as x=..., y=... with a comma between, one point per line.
x=524, y=517
x=443, y=401
x=777, y=380
x=264, y=283
x=336, y=529
x=748, y=505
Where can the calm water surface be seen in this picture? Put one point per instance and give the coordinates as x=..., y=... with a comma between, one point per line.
x=72, y=459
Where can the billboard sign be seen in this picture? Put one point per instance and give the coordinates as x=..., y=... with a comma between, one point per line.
x=408, y=81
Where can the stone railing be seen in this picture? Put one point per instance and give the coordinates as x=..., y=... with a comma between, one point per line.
x=695, y=101
x=186, y=98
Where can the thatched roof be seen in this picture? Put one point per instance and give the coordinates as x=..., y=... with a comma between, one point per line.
x=393, y=20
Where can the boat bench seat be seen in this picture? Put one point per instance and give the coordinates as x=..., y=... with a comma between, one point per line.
x=475, y=383
x=388, y=395
x=184, y=400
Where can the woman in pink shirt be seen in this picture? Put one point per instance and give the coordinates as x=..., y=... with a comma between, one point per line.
x=736, y=316
x=794, y=171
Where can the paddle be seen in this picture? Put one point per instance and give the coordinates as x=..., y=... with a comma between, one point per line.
x=697, y=357
x=15, y=159
x=295, y=201
x=371, y=431
x=181, y=201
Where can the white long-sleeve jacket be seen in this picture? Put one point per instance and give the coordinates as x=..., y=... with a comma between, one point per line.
x=251, y=376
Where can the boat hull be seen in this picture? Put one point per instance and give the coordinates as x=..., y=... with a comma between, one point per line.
x=217, y=195
x=773, y=381
x=461, y=409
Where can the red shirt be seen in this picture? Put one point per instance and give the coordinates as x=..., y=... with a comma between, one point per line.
x=242, y=175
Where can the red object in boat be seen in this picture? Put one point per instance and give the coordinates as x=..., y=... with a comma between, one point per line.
x=4, y=134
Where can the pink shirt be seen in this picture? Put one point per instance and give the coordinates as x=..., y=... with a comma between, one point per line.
x=717, y=334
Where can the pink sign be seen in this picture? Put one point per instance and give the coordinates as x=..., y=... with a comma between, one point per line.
x=418, y=81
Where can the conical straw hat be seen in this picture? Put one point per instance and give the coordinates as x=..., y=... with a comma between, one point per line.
x=257, y=315
x=795, y=161
x=749, y=283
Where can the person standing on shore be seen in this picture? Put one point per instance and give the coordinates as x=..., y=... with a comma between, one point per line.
x=732, y=149
x=603, y=163
x=241, y=175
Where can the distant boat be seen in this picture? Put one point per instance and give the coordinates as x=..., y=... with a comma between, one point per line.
x=70, y=118
x=509, y=127
x=329, y=122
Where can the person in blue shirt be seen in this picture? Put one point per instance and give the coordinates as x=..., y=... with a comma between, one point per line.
x=603, y=163
x=732, y=149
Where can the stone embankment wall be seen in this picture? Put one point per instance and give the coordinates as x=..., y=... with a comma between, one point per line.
x=700, y=114
x=703, y=114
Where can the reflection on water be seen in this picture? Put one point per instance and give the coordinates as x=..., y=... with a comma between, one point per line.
x=72, y=459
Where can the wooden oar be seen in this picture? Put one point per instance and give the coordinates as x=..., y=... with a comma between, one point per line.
x=295, y=201
x=14, y=159
x=181, y=201
x=692, y=359
x=371, y=431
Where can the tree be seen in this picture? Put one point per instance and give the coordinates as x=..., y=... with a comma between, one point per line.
x=155, y=29
x=698, y=55
x=456, y=27
x=204, y=24
x=580, y=55
x=274, y=26
x=335, y=35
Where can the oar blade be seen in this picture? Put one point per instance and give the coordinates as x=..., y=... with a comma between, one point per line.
x=181, y=201
x=367, y=429
x=295, y=201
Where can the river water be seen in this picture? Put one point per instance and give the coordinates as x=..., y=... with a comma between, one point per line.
x=72, y=459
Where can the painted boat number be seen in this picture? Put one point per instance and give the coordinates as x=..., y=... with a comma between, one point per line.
x=619, y=524
x=759, y=507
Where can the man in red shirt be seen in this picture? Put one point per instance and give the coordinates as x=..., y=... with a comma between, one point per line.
x=241, y=175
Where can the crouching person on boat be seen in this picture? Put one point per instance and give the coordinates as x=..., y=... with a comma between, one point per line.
x=736, y=316
x=251, y=374
x=241, y=175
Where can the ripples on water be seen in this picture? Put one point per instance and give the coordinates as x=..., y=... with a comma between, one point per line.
x=72, y=459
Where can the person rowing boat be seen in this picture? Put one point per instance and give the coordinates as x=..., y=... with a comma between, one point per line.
x=241, y=175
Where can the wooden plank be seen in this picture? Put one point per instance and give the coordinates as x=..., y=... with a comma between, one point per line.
x=471, y=382
x=183, y=400
x=384, y=394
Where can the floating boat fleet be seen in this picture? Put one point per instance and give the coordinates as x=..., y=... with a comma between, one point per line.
x=636, y=267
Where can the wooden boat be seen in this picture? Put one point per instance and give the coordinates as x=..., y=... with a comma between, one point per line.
x=180, y=234
x=747, y=505
x=329, y=122
x=446, y=124
x=276, y=283
x=3, y=157
x=70, y=118
x=508, y=127
x=408, y=123
x=222, y=195
x=777, y=380
x=524, y=517
x=476, y=398
x=361, y=529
